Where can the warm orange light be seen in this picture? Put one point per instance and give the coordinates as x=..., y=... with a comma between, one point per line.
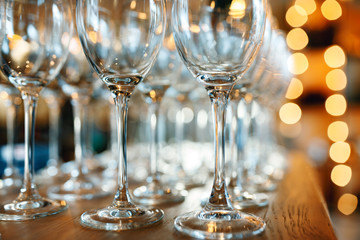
x=331, y=9
x=297, y=39
x=237, y=9
x=195, y=28
x=290, y=113
x=298, y=63
x=296, y=16
x=340, y=152
x=334, y=56
x=336, y=80
x=341, y=175
x=308, y=5
x=93, y=37
x=133, y=4
x=336, y=105
x=295, y=89
x=338, y=131
x=347, y=203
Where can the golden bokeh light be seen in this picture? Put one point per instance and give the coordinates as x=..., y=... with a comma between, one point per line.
x=336, y=80
x=347, y=203
x=295, y=89
x=340, y=152
x=296, y=16
x=298, y=63
x=336, y=105
x=308, y=5
x=331, y=9
x=335, y=56
x=338, y=131
x=297, y=39
x=237, y=8
x=290, y=113
x=341, y=175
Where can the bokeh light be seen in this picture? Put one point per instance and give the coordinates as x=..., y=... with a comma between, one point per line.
x=335, y=56
x=290, y=113
x=308, y=5
x=340, y=152
x=331, y=9
x=347, y=203
x=338, y=131
x=336, y=80
x=295, y=89
x=296, y=16
x=341, y=175
x=297, y=39
x=336, y=105
x=298, y=63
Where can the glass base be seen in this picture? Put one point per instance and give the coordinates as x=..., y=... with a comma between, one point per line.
x=248, y=200
x=27, y=210
x=74, y=190
x=219, y=224
x=156, y=195
x=119, y=219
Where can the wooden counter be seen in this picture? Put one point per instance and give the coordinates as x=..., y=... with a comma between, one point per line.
x=297, y=210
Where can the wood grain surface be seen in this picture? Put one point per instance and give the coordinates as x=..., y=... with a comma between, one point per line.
x=296, y=211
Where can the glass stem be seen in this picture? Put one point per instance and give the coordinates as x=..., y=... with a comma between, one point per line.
x=219, y=198
x=242, y=135
x=248, y=160
x=233, y=128
x=10, y=120
x=122, y=197
x=54, y=115
x=78, y=112
x=154, y=108
x=179, y=136
x=28, y=191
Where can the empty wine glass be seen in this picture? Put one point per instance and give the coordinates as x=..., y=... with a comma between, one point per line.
x=217, y=41
x=33, y=50
x=121, y=40
x=54, y=99
x=165, y=71
x=185, y=94
x=76, y=80
x=242, y=161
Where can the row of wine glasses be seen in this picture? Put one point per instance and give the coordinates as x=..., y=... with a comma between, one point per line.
x=217, y=42
x=34, y=42
x=76, y=79
x=247, y=128
x=132, y=45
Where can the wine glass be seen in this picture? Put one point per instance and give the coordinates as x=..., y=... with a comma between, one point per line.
x=11, y=178
x=33, y=50
x=185, y=94
x=217, y=41
x=54, y=99
x=121, y=40
x=76, y=80
x=243, y=163
x=165, y=71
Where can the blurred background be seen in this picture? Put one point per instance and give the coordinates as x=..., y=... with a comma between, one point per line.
x=320, y=117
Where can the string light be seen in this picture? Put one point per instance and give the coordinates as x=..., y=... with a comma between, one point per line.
x=336, y=105
x=341, y=175
x=347, y=203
